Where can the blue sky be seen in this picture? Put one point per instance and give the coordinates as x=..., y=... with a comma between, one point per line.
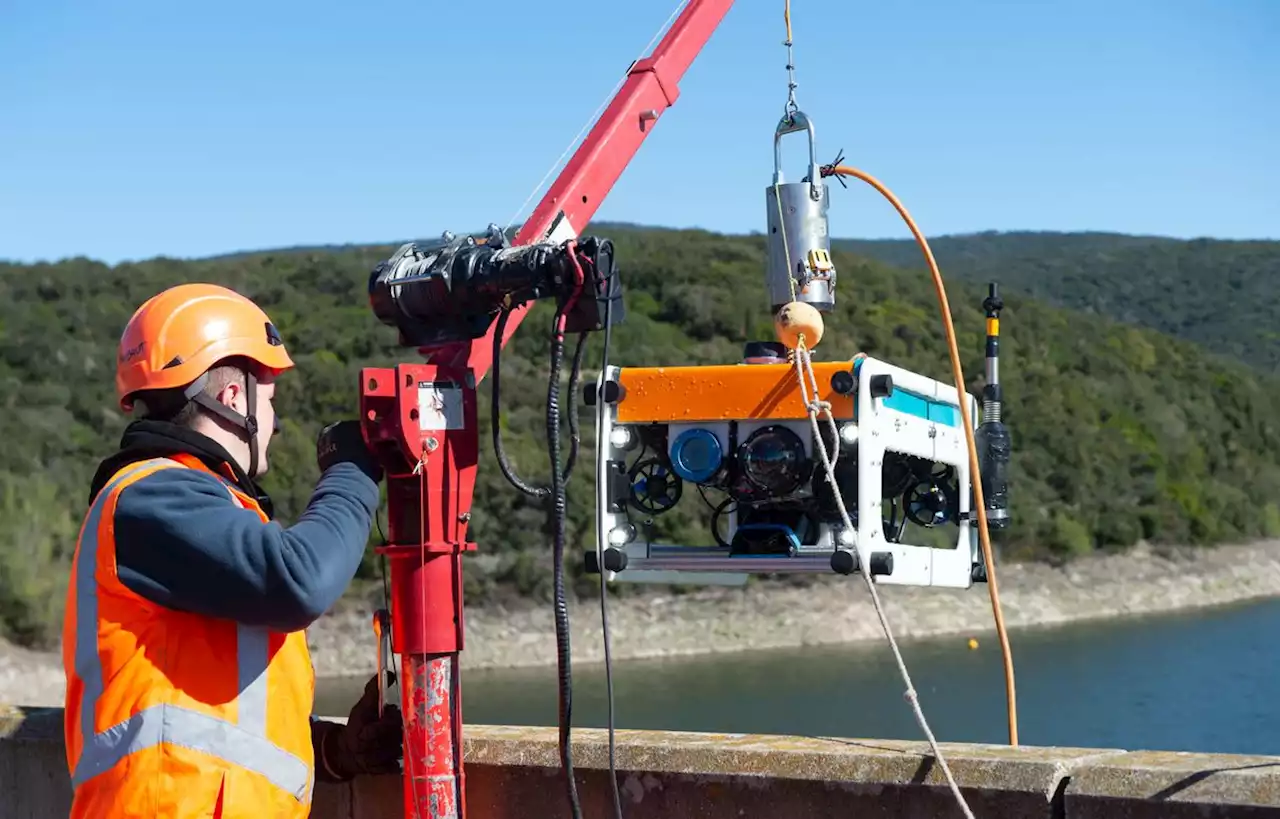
x=130, y=130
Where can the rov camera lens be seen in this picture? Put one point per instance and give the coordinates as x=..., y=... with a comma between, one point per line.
x=773, y=460
x=696, y=455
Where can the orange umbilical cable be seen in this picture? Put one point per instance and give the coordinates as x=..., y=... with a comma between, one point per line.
x=979, y=502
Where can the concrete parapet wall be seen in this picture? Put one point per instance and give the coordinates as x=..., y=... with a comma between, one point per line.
x=514, y=773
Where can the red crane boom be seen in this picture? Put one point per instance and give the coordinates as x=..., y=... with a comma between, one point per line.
x=652, y=86
x=421, y=420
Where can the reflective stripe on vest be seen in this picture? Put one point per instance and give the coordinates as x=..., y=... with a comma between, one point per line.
x=243, y=743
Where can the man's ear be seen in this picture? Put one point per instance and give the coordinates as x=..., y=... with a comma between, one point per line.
x=232, y=395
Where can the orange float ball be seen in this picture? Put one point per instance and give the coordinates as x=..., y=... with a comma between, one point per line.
x=795, y=319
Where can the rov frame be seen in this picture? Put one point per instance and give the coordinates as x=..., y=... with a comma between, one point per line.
x=879, y=409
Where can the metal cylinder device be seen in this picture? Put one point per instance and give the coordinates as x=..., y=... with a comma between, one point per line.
x=800, y=267
x=992, y=436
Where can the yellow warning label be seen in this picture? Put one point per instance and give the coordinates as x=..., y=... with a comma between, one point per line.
x=820, y=261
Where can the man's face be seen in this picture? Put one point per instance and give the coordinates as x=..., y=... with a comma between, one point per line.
x=233, y=395
x=266, y=419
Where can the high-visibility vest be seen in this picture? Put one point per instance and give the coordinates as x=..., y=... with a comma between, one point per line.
x=172, y=714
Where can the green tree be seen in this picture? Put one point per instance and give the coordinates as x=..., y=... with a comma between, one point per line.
x=1121, y=432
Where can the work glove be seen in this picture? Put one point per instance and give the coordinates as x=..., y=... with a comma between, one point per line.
x=342, y=442
x=367, y=744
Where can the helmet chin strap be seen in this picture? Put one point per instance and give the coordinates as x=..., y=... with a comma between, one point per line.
x=247, y=425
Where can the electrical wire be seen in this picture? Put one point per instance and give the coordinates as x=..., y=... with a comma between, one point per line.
x=558, y=509
x=591, y=120
x=495, y=404
x=555, y=494
x=804, y=367
x=411, y=760
x=814, y=406
x=559, y=503
x=604, y=585
x=984, y=536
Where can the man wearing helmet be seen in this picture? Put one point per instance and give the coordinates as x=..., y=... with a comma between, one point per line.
x=189, y=681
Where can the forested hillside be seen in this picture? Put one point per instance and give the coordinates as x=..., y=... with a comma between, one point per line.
x=1120, y=433
x=1224, y=295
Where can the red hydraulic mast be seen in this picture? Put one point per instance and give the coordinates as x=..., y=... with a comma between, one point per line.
x=421, y=420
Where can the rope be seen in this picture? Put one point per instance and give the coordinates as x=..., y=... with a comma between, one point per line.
x=591, y=121
x=804, y=370
x=791, y=106
x=805, y=373
x=804, y=366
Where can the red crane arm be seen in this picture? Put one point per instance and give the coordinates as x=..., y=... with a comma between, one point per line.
x=651, y=87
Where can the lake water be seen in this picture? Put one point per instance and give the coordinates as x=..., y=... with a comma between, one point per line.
x=1203, y=681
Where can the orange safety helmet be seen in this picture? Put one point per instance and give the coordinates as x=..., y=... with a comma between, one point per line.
x=179, y=334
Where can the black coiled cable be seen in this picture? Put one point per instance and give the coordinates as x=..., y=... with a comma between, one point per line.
x=504, y=463
x=557, y=495
x=559, y=501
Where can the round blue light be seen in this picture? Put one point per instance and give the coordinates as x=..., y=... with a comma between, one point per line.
x=696, y=455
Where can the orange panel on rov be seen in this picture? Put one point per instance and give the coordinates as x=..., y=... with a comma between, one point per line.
x=725, y=392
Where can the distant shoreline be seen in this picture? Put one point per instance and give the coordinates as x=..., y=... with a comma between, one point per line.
x=834, y=611
x=839, y=610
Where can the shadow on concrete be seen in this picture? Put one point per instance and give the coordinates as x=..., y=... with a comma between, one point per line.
x=1200, y=776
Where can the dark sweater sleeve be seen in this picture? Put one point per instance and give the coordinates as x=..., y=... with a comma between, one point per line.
x=320, y=728
x=183, y=543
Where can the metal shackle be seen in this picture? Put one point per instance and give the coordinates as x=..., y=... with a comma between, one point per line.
x=791, y=123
